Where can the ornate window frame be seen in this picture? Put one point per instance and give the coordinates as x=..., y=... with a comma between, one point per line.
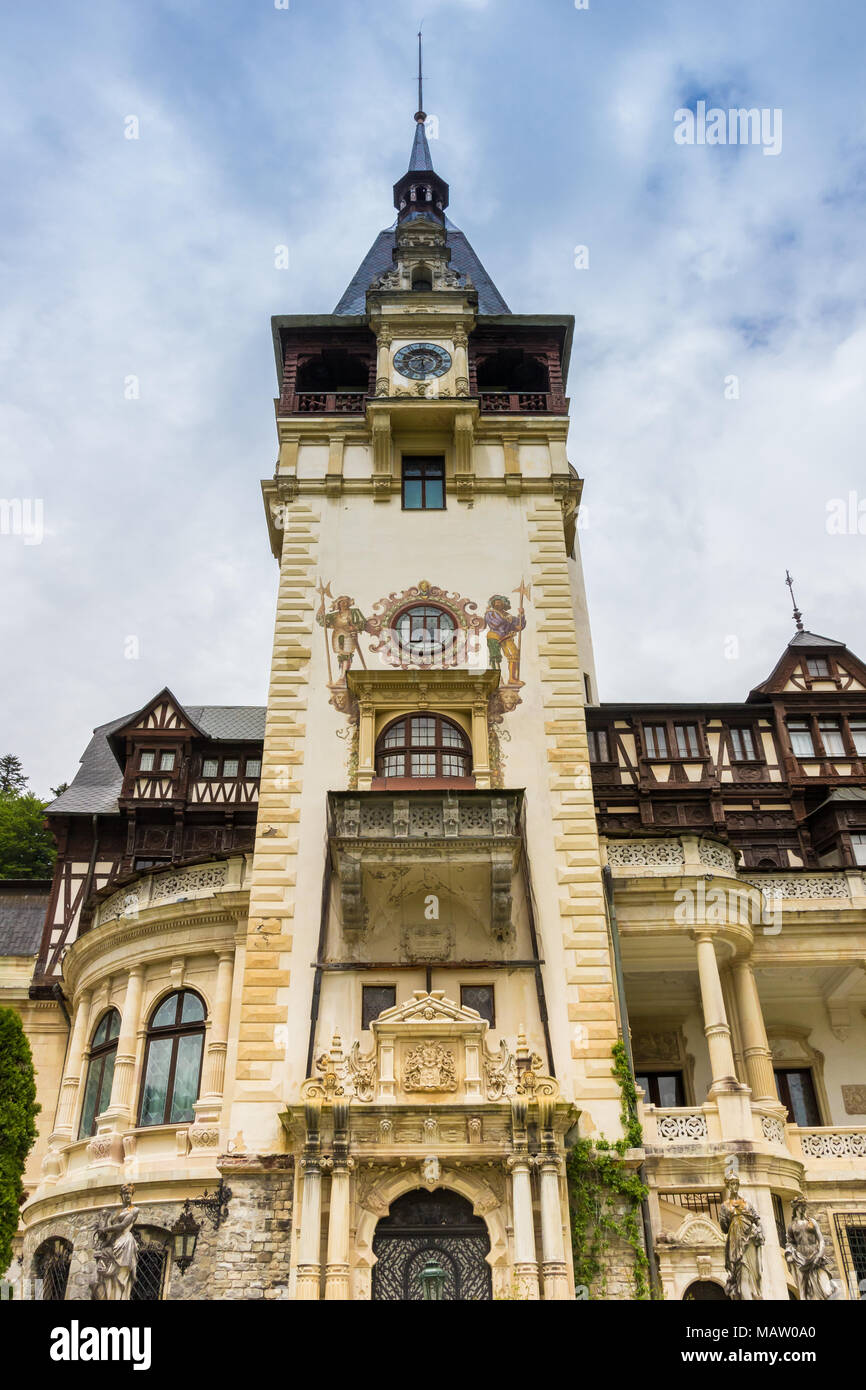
x=790, y=1046
x=457, y=694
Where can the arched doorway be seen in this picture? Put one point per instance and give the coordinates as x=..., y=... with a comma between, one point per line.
x=423, y=1226
x=705, y=1291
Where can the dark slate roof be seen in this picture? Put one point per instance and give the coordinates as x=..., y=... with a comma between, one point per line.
x=841, y=794
x=23, y=906
x=96, y=786
x=463, y=259
x=811, y=639
x=420, y=156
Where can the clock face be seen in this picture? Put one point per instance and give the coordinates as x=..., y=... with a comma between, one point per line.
x=422, y=360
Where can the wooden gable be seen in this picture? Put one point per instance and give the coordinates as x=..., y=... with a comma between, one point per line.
x=843, y=673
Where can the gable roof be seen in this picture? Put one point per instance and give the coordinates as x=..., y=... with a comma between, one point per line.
x=792, y=657
x=96, y=786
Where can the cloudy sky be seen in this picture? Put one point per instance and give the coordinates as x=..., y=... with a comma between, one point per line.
x=153, y=259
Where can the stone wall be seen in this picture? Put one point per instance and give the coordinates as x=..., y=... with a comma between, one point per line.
x=247, y=1257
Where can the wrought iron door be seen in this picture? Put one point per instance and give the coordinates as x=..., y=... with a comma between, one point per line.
x=53, y=1259
x=423, y=1226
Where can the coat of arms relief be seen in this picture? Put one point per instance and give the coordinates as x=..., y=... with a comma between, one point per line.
x=429, y=1067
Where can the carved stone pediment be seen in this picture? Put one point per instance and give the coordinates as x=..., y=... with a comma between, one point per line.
x=428, y=1008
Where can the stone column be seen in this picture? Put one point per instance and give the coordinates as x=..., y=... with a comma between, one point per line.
x=481, y=743
x=461, y=363
x=337, y=1268
x=716, y=1029
x=756, y=1047
x=520, y=1163
x=120, y=1106
x=310, y=1237
x=383, y=362
x=62, y=1132
x=553, y=1264
x=219, y=1028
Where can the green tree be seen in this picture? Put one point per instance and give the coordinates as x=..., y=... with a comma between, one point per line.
x=18, y=1111
x=12, y=779
x=26, y=845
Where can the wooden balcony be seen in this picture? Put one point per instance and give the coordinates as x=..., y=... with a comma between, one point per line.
x=522, y=403
x=328, y=403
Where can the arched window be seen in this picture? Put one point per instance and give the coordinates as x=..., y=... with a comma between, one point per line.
x=100, y=1072
x=423, y=745
x=51, y=1264
x=425, y=631
x=172, y=1061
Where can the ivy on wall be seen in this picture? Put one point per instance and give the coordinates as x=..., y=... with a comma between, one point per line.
x=605, y=1195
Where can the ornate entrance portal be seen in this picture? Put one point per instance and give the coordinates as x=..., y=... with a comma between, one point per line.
x=435, y=1226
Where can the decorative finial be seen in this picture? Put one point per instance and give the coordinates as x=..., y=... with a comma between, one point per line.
x=798, y=616
x=420, y=114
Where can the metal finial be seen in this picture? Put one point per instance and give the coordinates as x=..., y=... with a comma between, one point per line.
x=420, y=114
x=798, y=616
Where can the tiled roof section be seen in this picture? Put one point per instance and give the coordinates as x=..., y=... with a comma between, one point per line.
x=96, y=786
x=463, y=259
x=811, y=639
x=22, y=916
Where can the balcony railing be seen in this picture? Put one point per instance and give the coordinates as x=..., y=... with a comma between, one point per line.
x=521, y=402
x=328, y=403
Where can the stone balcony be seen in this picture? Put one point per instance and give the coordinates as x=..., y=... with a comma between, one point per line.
x=827, y=1151
x=383, y=833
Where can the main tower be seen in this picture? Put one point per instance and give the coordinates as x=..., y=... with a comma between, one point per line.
x=425, y=1004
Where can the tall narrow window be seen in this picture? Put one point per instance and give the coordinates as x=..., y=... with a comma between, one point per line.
x=100, y=1072
x=172, y=1062
x=797, y=1093
x=800, y=734
x=598, y=750
x=858, y=846
x=480, y=998
x=858, y=734
x=423, y=484
x=831, y=737
x=656, y=738
x=742, y=745
x=687, y=740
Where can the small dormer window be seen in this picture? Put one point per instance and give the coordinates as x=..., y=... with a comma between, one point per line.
x=146, y=762
x=818, y=666
x=166, y=762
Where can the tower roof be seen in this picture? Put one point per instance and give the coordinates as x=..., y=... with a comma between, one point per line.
x=380, y=258
x=420, y=158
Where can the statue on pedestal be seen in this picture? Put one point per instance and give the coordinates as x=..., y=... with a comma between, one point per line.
x=116, y=1251
x=744, y=1236
x=804, y=1252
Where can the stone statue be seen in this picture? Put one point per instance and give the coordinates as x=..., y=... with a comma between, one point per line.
x=116, y=1251
x=804, y=1252
x=744, y=1237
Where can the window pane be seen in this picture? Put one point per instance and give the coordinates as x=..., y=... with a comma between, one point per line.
x=155, y=1088
x=396, y=735
x=687, y=740
x=831, y=736
x=423, y=732
x=670, y=1089
x=858, y=845
x=166, y=762
x=146, y=763
x=802, y=1104
x=394, y=765
x=644, y=1083
x=166, y=1014
x=435, y=493
x=598, y=746
x=858, y=733
x=107, y=1077
x=186, y=1076
x=801, y=739
x=91, y=1097
x=817, y=666
x=479, y=998
x=453, y=765
x=210, y=767
x=423, y=764
x=452, y=737
x=412, y=494
x=193, y=1009
x=230, y=767
x=375, y=999
x=743, y=745
x=656, y=740
x=254, y=767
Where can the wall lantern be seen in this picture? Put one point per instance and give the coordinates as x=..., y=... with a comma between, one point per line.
x=185, y=1234
x=433, y=1279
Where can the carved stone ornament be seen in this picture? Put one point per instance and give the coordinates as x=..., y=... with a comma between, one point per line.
x=518, y=1073
x=430, y=1067
x=744, y=1237
x=854, y=1100
x=805, y=1252
x=431, y=1170
x=342, y=1076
